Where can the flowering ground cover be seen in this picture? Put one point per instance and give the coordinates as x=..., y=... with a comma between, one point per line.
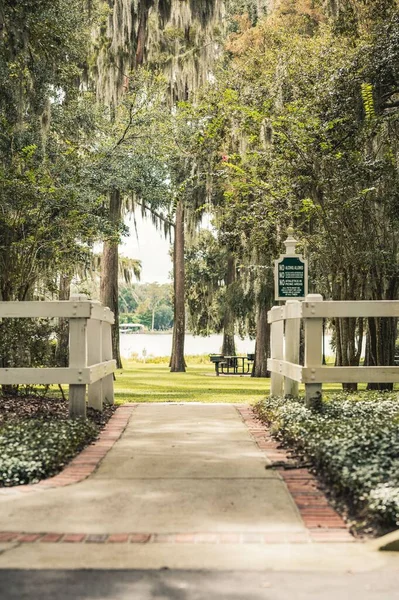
x=352, y=443
x=37, y=439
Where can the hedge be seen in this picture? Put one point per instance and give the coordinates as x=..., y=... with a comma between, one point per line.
x=352, y=443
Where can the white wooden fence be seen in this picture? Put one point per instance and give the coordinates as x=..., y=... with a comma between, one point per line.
x=90, y=351
x=286, y=372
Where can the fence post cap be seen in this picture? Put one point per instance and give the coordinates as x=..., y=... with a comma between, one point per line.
x=314, y=298
x=290, y=243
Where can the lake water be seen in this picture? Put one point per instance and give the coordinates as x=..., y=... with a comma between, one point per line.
x=160, y=344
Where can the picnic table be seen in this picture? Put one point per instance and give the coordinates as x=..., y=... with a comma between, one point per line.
x=233, y=365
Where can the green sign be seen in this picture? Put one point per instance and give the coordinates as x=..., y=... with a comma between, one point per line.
x=291, y=277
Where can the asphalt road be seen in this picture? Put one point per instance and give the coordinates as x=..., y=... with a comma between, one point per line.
x=195, y=585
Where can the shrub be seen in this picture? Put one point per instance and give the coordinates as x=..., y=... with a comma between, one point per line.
x=353, y=443
x=26, y=342
x=32, y=449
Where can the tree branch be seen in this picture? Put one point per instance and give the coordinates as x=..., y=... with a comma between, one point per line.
x=391, y=105
x=156, y=214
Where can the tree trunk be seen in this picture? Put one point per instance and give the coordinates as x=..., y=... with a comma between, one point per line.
x=262, y=344
x=348, y=347
x=380, y=347
x=177, y=362
x=382, y=333
x=174, y=308
x=228, y=347
x=109, y=273
x=61, y=352
x=349, y=331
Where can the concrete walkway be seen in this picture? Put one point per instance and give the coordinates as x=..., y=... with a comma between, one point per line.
x=183, y=475
x=176, y=469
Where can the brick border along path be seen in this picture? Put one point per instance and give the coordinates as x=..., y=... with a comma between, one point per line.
x=322, y=522
x=86, y=461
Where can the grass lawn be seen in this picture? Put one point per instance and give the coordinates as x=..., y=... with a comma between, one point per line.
x=139, y=382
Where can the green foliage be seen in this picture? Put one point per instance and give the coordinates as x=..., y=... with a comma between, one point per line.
x=128, y=299
x=130, y=153
x=48, y=219
x=255, y=9
x=41, y=48
x=62, y=153
x=34, y=449
x=368, y=100
x=301, y=126
x=298, y=125
x=149, y=304
x=163, y=317
x=205, y=271
x=26, y=343
x=359, y=462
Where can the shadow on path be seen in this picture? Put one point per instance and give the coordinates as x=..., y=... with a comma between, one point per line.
x=194, y=585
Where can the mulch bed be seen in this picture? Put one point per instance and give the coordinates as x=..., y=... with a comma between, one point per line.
x=46, y=407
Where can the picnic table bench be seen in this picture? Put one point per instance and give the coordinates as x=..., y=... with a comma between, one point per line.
x=232, y=365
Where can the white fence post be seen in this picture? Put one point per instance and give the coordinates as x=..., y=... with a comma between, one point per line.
x=94, y=356
x=276, y=351
x=108, y=381
x=313, y=349
x=291, y=350
x=77, y=359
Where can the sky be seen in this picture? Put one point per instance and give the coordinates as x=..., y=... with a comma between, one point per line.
x=149, y=246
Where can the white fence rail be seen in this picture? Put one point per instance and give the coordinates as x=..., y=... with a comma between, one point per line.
x=90, y=351
x=286, y=373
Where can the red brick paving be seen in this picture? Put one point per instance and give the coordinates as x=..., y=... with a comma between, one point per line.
x=322, y=521
x=118, y=538
x=51, y=538
x=327, y=534
x=29, y=537
x=8, y=536
x=74, y=538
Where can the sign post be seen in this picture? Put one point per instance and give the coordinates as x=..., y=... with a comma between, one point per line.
x=291, y=285
x=290, y=273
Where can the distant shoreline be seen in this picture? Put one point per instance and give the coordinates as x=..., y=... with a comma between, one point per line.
x=167, y=332
x=160, y=344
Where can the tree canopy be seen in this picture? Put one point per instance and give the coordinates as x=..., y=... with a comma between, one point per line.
x=274, y=116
